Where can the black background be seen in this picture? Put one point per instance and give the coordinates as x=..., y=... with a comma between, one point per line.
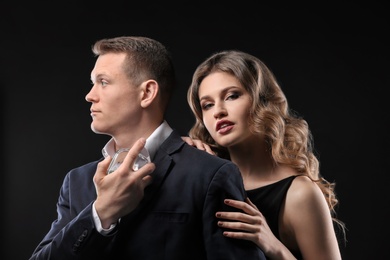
x=331, y=61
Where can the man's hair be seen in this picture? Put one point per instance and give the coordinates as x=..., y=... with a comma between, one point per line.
x=145, y=59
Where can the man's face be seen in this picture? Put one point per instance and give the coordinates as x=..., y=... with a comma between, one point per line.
x=115, y=100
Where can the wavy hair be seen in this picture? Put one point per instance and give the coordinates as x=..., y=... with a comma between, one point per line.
x=287, y=135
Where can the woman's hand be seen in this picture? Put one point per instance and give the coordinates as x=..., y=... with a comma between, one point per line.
x=198, y=144
x=251, y=225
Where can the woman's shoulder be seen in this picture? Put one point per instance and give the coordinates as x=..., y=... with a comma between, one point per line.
x=306, y=212
x=303, y=188
x=305, y=195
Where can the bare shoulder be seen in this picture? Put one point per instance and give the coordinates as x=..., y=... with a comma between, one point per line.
x=303, y=188
x=305, y=199
x=306, y=221
x=305, y=207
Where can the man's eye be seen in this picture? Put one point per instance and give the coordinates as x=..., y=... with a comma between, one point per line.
x=104, y=83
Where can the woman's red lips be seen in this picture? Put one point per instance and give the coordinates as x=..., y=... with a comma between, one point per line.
x=224, y=126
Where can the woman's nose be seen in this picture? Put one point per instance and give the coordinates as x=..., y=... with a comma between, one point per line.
x=219, y=111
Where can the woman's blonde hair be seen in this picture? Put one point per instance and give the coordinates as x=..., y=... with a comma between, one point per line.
x=288, y=136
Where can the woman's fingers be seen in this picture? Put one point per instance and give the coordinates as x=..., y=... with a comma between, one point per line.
x=198, y=144
x=241, y=226
x=248, y=207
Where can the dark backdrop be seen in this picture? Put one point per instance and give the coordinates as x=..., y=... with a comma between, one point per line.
x=332, y=65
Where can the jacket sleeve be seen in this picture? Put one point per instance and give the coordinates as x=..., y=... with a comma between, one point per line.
x=227, y=183
x=72, y=235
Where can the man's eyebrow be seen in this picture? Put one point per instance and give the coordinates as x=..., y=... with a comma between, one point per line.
x=98, y=76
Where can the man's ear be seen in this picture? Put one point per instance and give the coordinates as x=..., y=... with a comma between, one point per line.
x=149, y=91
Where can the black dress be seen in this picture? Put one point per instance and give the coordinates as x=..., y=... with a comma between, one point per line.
x=269, y=200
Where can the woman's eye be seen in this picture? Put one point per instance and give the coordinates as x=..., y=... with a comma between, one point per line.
x=206, y=106
x=233, y=96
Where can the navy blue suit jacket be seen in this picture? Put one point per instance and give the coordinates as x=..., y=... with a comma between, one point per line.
x=175, y=220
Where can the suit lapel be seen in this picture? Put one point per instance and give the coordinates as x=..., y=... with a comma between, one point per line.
x=164, y=162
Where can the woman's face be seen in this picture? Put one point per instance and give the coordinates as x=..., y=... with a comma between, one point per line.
x=225, y=109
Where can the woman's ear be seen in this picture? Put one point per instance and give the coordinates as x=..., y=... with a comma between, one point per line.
x=149, y=91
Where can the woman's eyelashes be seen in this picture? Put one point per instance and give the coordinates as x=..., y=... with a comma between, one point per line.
x=233, y=96
x=206, y=105
x=229, y=96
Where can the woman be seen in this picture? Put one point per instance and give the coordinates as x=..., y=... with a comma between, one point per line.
x=243, y=115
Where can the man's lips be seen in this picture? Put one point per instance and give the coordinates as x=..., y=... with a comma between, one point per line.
x=94, y=112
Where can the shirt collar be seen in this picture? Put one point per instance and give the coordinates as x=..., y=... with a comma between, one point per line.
x=153, y=142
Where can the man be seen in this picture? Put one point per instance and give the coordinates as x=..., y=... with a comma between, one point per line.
x=163, y=208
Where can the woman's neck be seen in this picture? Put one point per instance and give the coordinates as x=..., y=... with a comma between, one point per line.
x=256, y=165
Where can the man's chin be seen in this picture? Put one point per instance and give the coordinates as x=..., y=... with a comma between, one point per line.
x=96, y=130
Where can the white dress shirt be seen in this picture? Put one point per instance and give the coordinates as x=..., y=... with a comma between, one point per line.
x=153, y=142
